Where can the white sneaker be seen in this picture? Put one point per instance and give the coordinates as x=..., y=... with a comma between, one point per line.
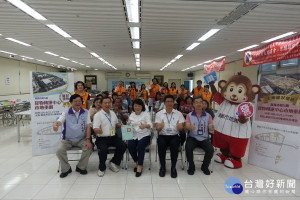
x=101, y=173
x=113, y=167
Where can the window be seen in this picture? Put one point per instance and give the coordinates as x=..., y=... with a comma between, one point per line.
x=268, y=67
x=289, y=63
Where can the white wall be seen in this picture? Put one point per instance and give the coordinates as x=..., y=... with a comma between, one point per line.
x=102, y=79
x=18, y=71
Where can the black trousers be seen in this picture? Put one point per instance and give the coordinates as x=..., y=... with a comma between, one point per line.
x=165, y=141
x=191, y=144
x=102, y=145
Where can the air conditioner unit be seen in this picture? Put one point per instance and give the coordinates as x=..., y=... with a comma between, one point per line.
x=143, y=75
x=113, y=74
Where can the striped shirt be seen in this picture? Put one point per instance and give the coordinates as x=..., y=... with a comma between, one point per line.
x=226, y=122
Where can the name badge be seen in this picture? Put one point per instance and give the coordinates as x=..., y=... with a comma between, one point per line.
x=169, y=130
x=200, y=132
x=112, y=132
x=83, y=102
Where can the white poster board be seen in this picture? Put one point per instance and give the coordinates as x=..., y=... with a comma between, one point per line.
x=50, y=93
x=275, y=139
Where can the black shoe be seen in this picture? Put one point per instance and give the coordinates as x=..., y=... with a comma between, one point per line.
x=205, y=170
x=134, y=170
x=64, y=174
x=83, y=172
x=190, y=171
x=138, y=174
x=162, y=172
x=173, y=172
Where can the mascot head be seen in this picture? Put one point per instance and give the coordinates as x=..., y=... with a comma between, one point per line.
x=238, y=89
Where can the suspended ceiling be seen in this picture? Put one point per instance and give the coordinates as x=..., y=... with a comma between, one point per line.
x=167, y=27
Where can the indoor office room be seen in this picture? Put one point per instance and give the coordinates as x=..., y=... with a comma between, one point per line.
x=150, y=99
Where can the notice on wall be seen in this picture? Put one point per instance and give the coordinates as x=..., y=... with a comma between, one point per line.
x=7, y=80
x=50, y=93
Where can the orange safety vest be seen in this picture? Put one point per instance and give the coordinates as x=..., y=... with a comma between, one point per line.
x=120, y=91
x=164, y=90
x=173, y=91
x=207, y=97
x=197, y=92
x=184, y=92
x=144, y=92
x=154, y=91
x=84, y=96
x=132, y=94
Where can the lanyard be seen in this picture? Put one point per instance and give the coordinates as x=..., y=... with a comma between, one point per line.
x=109, y=118
x=201, y=126
x=169, y=121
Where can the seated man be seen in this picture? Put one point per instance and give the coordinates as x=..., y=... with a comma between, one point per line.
x=104, y=125
x=77, y=132
x=168, y=123
x=198, y=123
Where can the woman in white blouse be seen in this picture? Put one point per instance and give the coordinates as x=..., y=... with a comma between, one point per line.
x=141, y=124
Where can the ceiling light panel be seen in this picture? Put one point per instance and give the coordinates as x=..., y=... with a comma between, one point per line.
x=78, y=43
x=132, y=8
x=19, y=42
x=249, y=47
x=191, y=47
x=135, y=33
x=207, y=35
x=58, y=30
x=50, y=53
x=279, y=37
x=27, y=9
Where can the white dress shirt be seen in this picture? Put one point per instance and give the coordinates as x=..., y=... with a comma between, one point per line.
x=62, y=117
x=136, y=120
x=170, y=121
x=107, y=121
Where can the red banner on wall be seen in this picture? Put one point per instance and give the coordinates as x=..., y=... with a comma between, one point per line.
x=215, y=65
x=273, y=52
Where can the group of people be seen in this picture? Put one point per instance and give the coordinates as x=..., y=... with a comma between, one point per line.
x=178, y=115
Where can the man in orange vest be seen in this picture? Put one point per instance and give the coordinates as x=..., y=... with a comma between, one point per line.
x=206, y=95
x=197, y=91
x=119, y=89
x=154, y=88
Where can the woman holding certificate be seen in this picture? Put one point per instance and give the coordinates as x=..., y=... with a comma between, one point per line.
x=141, y=123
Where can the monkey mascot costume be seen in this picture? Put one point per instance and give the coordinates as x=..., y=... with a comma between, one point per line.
x=232, y=132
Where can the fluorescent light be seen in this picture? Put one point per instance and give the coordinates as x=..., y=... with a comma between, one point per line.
x=87, y=66
x=138, y=69
x=207, y=35
x=58, y=30
x=50, y=53
x=193, y=67
x=17, y=41
x=27, y=57
x=94, y=54
x=278, y=37
x=8, y=52
x=249, y=47
x=96, y=69
x=132, y=8
x=137, y=55
x=75, y=62
x=64, y=58
x=78, y=43
x=219, y=57
x=207, y=61
x=136, y=44
x=135, y=33
x=81, y=64
x=41, y=61
x=192, y=46
x=177, y=57
x=22, y=6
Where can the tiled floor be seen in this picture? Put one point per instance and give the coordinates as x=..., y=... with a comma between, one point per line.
x=25, y=177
